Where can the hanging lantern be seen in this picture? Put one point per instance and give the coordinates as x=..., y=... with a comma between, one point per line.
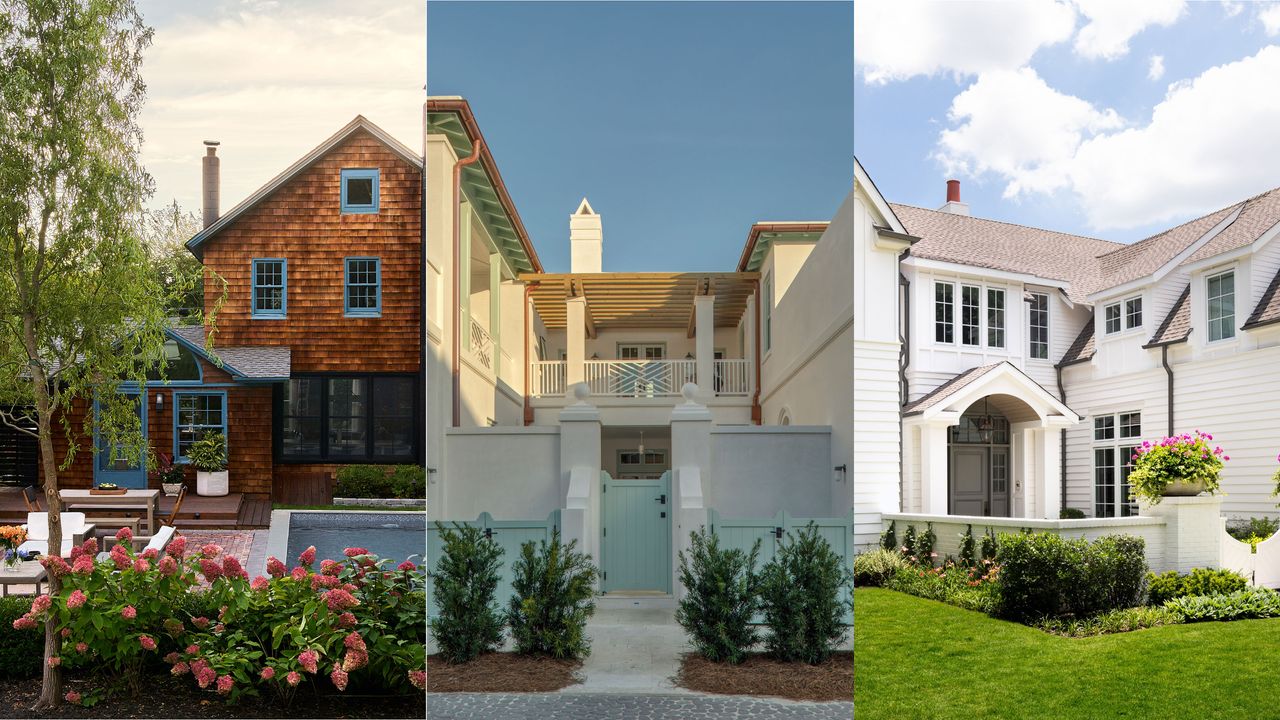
x=986, y=423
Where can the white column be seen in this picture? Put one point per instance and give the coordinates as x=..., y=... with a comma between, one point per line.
x=1024, y=469
x=691, y=470
x=749, y=340
x=575, y=341
x=495, y=310
x=1192, y=531
x=933, y=464
x=1051, y=472
x=704, y=320
x=580, y=473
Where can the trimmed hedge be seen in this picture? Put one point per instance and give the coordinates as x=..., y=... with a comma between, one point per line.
x=21, y=651
x=1044, y=575
x=381, y=481
x=1201, y=581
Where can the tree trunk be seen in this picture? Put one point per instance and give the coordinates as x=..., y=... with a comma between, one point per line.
x=51, y=688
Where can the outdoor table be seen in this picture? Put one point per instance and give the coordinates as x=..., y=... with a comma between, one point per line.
x=132, y=499
x=30, y=572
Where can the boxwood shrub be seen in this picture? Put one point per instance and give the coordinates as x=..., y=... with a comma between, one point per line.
x=21, y=651
x=1045, y=575
x=1200, y=581
x=381, y=481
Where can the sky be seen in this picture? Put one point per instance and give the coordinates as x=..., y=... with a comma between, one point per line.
x=1097, y=117
x=271, y=80
x=682, y=123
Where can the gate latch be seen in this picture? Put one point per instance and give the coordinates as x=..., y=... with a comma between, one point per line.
x=488, y=533
x=777, y=533
x=662, y=499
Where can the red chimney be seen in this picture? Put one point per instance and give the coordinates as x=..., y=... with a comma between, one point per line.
x=953, y=191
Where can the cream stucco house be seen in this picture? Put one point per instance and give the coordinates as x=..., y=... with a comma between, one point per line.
x=629, y=408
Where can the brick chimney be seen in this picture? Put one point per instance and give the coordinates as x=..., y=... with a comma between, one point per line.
x=953, y=204
x=586, y=240
x=210, y=181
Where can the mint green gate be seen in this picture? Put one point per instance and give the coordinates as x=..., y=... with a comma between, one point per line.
x=742, y=533
x=510, y=535
x=635, y=535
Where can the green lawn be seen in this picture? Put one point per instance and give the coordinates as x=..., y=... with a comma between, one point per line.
x=916, y=658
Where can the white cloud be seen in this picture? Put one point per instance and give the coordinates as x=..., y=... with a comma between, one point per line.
x=272, y=80
x=1232, y=8
x=897, y=40
x=1270, y=17
x=1155, y=67
x=1013, y=124
x=1112, y=24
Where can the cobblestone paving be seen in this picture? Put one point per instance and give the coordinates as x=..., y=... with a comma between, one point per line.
x=555, y=706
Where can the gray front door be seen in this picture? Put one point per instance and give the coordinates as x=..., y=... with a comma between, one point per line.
x=970, y=481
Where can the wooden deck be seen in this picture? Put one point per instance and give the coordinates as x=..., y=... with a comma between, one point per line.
x=233, y=511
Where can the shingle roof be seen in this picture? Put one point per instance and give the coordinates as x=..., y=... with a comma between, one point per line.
x=1177, y=324
x=1004, y=246
x=262, y=362
x=1146, y=256
x=1082, y=348
x=947, y=389
x=1259, y=214
x=1268, y=309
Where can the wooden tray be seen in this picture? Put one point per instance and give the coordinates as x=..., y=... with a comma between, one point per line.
x=99, y=491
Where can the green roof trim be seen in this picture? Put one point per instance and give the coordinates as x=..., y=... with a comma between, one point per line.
x=765, y=241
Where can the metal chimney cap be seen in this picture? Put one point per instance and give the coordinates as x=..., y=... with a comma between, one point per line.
x=212, y=143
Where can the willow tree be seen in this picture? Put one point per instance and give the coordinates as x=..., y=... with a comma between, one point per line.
x=80, y=311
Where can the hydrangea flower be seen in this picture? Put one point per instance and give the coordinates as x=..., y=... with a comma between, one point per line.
x=308, y=659
x=72, y=697
x=418, y=678
x=308, y=556
x=129, y=612
x=293, y=678
x=76, y=599
x=275, y=568
x=267, y=673
x=259, y=584
x=339, y=678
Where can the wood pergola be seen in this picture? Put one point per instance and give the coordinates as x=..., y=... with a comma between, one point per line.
x=640, y=300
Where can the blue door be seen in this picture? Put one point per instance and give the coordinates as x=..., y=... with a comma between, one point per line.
x=635, y=537
x=112, y=464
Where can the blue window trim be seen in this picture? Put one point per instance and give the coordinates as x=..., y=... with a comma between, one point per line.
x=176, y=405
x=375, y=311
x=360, y=174
x=284, y=289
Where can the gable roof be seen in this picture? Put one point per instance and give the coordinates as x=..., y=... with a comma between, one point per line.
x=359, y=123
x=947, y=389
x=1268, y=310
x=995, y=245
x=1082, y=348
x=1177, y=324
x=991, y=381
x=258, y=363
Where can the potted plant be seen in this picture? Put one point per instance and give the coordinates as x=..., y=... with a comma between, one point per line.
x=170, y=474
x=209, y=455
x=1179, y=465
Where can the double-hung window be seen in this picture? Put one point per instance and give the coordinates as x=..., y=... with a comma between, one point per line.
x=1115, y=437
x=1221, y=292
x=360, y=191
x=1111, y=315
x=1038, y=326
x=1133, y=313
x=944, y=312
x=270, y=283
x=995, y=318
x=348, y=418
x=195, y=415
x=970, y=315
x=363, y=291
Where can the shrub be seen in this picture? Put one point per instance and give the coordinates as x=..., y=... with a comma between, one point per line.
x=967, y=547
x=1113, y=621
x=721, y=596
x=990, y=546
x=889, y=538
x=923, y=549
x=874, y=568
x=1254, y=530
x=801, y=598
x=381, y=481
x=466, y=579
x=1200, y=581
x=1251, y=602
x=1179, y=458
x=1071, y=514
x=1044, y=575
x=20, y=651
x=968, y=588
x=209, y=453
x=553, y=587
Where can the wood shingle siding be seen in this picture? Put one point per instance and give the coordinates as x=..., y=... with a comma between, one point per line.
x=303, y=223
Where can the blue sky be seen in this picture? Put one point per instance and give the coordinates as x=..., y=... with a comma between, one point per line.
x=1063, y=118
x=683, y=123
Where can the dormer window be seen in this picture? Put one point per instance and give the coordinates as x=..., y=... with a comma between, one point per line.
x=1111, y=315
x=359, y=191
x=1133, y=313
x=1221, y=293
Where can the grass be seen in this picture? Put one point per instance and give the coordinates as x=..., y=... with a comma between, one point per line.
x=378, y=508
x=918, y=658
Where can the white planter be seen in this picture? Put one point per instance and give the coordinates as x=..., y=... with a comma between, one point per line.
x=171, y=489
x=212, y=483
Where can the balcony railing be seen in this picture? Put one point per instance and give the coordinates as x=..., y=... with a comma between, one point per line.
x=732, y=377
x=481, y=345
x=546, y=378
x=638, y=378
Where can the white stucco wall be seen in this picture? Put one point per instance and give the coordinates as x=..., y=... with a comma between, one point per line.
x=513, y=473
x=757, y=471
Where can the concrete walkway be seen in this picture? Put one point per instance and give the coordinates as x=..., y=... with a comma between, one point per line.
x=632, y=706
x=632, y=651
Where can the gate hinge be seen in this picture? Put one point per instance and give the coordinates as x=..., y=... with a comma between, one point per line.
x=604, y=531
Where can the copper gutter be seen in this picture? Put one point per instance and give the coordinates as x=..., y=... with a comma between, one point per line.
x=528, y=311
x=755, y=399
x=754, y=236
x=457, y=287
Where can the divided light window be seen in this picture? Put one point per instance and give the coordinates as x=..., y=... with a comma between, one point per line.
x=1222, y=306
x=1111, y=314
x=1133, y=313
x=197, y=414
x=1038, y=326
x=359, y=191
x=347, y=418
x=970, y=315
x=1115, y=437
x=363, y=292
x=269, y=282
x=944, y=312
x=995, y=318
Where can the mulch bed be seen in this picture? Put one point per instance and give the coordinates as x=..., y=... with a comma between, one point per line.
x=501, y=672
x=762, y=676
x=167, y=697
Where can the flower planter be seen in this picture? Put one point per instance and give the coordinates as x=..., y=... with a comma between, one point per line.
x=171, y=489
x=1183, y=488
x=212, y=484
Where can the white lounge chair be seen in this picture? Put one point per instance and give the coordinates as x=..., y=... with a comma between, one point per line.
x=158, y=542
x=74, y=530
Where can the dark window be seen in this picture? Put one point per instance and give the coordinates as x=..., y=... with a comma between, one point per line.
x=300, y=418
x=197, y=414
x=359, y=191
x=269, y=288
x=180, y=364
x=363, y=287
x=944, y=312
x=1222, y=306
x=348, y=418
x=995, y=318
x=1132, y=313
x=970, y=315
x=1112, y=318
x=1039, y=326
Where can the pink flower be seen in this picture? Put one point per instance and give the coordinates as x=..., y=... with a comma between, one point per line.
x=326, y=581
x=308, y=660
x=330, y=567
x=192, y=649
x=172, y=658
x=339, y=678
x=267, y=673
x=211, y=550
x=180, y=668
x=177, y=547
x=205, y=676
x=83, y=565
x=354, y=660
x=308, y=556
x=90, y=547
x=346, y=620
x=210, y=569
x=275, y=568
x=76, y=599
x=407, y=566
x=151, y=553
x=41, y=603
x=200, y=622
x=124, y=534
x=1226, y=457
x=129, y=612
x=168, y=566
x=121, y=557
x=219, y=628
x=259, y=584
x=339, y=599
x=224, y=684
x=82, y=647
x=232, y=569
x=299, y=573
x=354, y=642
x=76, y=553
x=141, y=565
x=355, y=552
x=418, y=678
x=293, y=678
x=26, y=622
x=147, y=642
x=55, y=661
x=55, y=565
x=65, y=633
x=72, y=696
